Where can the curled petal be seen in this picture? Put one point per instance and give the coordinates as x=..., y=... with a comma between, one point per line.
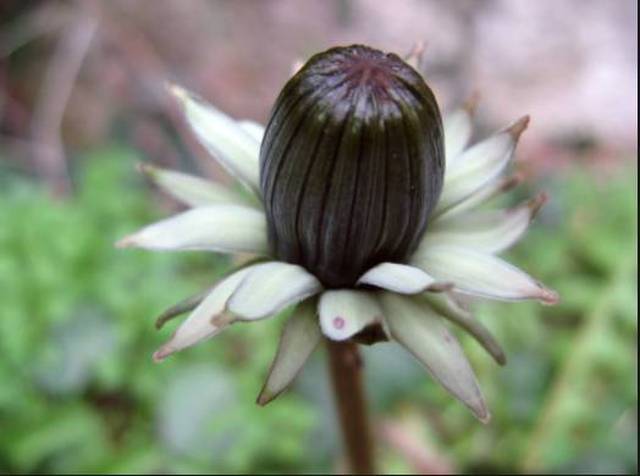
x=422, y=332
x=481, y=274
x=448, y=308
x=299, y=338
x=479, y=165
x=344, y=313
x=191, y=190
x=254, y=129
x=458, y=127
x=223, y=228
x=270, y=287
x=207, y=319
x=400, y=278
x=186, y=305
x=235, y=149
x=485, y=231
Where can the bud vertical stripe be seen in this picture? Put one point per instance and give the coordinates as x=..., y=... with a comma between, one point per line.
x=351, y=170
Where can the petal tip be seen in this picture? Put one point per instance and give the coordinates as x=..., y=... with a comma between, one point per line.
x=164, y=318
x=535, y=204
x=471, y=103
x=161, y=354
x=484, y=416
x=146, y=169
x=296, y=66
x=334, y=328
x=177, y=91
x=265, y=398
x=126, y=242
x=518, y=127
x=511, y=182
x=549, y=297
x=480, y=410
x=415, y=55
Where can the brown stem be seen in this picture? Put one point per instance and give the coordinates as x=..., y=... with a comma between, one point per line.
x=346, y=375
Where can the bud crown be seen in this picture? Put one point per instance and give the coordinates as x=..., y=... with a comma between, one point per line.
x=351, y=164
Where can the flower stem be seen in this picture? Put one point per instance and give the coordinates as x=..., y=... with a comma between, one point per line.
x=346, y=376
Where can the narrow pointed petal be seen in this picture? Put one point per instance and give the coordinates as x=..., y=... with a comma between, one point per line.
x=207, y=319
x=422, y=332
x=400, y=278
x=223, y=228
x=254, y=129
x=448, y=308
x=458, y=127
x=300, y=336
x=189, y=189
x=344, y=313
x=186, y=305
x=415, y=56
x=479, y=165
x=235, y=149
x=486, y=231
x=482, y=195
x=481, y=274
x=271, y=287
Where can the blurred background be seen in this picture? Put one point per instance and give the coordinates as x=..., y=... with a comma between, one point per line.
x=82, y=102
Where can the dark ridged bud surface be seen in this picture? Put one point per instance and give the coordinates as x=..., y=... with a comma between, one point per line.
x=351, y=164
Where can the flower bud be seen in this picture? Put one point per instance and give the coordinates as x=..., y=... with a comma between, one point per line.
x=351, y=164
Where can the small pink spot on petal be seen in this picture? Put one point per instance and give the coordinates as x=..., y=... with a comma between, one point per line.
x=338, y=322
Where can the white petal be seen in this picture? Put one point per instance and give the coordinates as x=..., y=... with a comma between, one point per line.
x=223, y=228
x=206, y=320
x=443, y=305
x=481, y=274
x=479, y=165
x=299, y=338
x=483, y=194
x=189, y=189
x=422, y=332
x=236, y=150
x=485, y=231
x=344, y=313
x=254, y=129
x=400, y=278
x=271, y=287
x=458, y=127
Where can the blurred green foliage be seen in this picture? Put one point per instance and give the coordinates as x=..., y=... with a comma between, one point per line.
x=79, y=392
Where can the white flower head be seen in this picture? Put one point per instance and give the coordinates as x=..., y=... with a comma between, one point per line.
x=408, y=294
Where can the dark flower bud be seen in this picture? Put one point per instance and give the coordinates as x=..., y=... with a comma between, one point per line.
x=351, y=164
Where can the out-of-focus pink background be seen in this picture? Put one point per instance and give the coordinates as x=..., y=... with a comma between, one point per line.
x=571, y=65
